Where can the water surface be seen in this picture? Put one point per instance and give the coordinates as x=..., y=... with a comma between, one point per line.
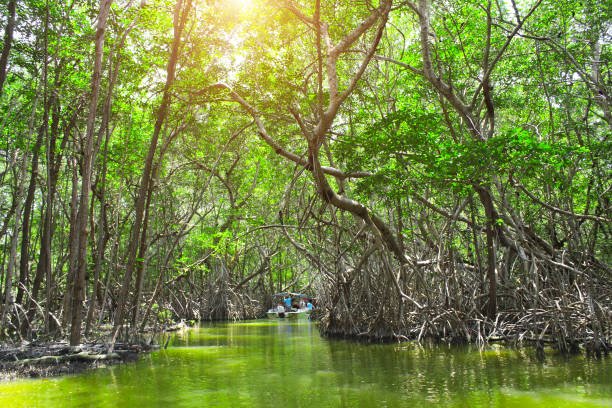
x=287, y=364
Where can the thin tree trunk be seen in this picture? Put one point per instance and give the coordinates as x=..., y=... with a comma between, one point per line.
x=477, y=251
x=24, y=260
x=8, y=42
x=8, y=281
x=142, y=251
x=87, y=165
x=491, y=215
x=73, y=245
x=103, y=235
x=114, y=255
x=181, y=13
x=54, y=162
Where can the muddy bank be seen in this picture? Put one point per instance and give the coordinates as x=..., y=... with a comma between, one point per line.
x=34, y=360
x=52, y=358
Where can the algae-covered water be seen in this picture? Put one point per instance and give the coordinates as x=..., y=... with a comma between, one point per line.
x=287, y=364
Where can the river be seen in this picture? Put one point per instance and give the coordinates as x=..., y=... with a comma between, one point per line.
x=287, y=364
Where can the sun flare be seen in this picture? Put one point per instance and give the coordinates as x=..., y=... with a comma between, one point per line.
x=242, y=4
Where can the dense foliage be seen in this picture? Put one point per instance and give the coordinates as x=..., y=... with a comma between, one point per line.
x=430, y=169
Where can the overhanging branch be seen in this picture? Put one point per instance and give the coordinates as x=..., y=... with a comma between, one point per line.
x=263, y=133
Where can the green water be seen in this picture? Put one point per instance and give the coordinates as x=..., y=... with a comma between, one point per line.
x=286, y=364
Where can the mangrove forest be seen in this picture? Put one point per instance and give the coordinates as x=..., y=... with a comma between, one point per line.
x=427, y=171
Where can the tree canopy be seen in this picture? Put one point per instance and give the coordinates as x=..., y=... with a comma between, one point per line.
x=426, y=168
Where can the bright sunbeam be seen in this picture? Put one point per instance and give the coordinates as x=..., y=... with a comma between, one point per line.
x=242, y=4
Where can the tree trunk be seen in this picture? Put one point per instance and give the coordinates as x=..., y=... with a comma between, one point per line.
x=73, y=244
x=88, y=159
x=17, y=199
x=54, y=162
x=491, y=215
x=8, y=41
x=103, y=235
x=181, y=13
x=24, y=265
x=8, y=280
x=24, y=260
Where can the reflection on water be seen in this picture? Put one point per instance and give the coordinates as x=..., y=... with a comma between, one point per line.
x=281, y=363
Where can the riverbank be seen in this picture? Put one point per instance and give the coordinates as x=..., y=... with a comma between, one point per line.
x=36, y=360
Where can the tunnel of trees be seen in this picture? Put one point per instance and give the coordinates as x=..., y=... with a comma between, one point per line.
x=429, y=169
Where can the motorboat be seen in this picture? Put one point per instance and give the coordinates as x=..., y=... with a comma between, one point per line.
x=297, y=310
x=293, y=314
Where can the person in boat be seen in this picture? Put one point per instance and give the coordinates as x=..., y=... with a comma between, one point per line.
x=280, y=309
x=302, y=305
x=309, y=306
x=287, y=301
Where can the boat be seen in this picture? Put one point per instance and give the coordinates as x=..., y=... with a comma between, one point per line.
x=293, y=312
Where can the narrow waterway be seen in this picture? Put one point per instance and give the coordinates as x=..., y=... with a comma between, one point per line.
x=287, y=364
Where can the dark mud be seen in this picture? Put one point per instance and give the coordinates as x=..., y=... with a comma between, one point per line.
x=37, y=360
